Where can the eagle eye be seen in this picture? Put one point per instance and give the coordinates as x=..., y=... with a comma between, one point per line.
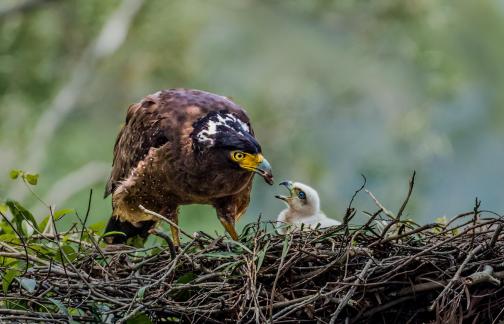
x=237, y=156
x=301, y=195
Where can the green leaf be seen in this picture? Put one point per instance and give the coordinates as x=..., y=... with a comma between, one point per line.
x=441, y=220
x=10, y=263
x=261, y=255
x=285, y=249
x=27, y=228
x=141, y=292
x=42, y=225
x=62, y=212
x=113, y=233
x=68, y=251
x=186, y=278
x=6, y=228
x=31, y=178
x=233, y=242
x=61, y=308
x=14, y=174
x=97, y=227
x=155, y=251
x=228, y=266
x=9, y=238
x=3, y=208
x=42, y=248
x=28, y=284
x=76, y=311
x=19, y=213
x=135, y=241
x=141, y=318
x=224, y=255
x=7, y=279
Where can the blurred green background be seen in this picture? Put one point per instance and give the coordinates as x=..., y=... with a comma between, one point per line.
x=335, y=89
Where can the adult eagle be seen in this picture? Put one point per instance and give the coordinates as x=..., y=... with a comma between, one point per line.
x=180, y=147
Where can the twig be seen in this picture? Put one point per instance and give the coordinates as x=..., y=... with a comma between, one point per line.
x=43, y=315
x=405, y=203
x=384, y=307
x=406, y=234
x=350, y=210
x=280, y=266
x=171, y=247
x=456, y=277
x=130, y=314
x=426, y=286
x=56, y=236
x=477, y=205
x=379, y=204
x=289, y=309
x=150, y=212
x=351, y=292
x=482, y=276
x=21, y=239
x=496, y=235
x=83, y=223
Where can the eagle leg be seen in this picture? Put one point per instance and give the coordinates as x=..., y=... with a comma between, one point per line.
x=174, y=229
x=229, y=223
x=228, y=210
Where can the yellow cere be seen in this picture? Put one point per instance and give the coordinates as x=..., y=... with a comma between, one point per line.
x=246, y=160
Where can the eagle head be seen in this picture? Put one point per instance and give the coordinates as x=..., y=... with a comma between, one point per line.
x=225, y=134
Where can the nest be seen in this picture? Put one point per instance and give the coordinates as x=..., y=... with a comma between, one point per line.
x=388, y=270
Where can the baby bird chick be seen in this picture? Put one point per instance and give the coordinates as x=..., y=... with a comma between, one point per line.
x=303, y=208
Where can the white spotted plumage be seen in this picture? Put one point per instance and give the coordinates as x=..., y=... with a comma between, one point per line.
x=224, y=120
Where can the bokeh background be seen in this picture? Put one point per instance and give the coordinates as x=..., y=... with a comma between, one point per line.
x=335, y=89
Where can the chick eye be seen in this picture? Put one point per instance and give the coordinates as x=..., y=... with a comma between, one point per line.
x=301, y=195
x=237, y=156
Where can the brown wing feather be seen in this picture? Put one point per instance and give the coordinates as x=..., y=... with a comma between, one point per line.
x=141, y=132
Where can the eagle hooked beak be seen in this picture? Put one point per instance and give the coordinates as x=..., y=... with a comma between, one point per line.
x=290, y=186
x=264, y=170
x=258, y=164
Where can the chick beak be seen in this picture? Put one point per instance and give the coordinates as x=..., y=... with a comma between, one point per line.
x=264, y=170
x=290, y=186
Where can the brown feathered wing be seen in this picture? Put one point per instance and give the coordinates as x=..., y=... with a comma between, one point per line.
x=141, y=132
